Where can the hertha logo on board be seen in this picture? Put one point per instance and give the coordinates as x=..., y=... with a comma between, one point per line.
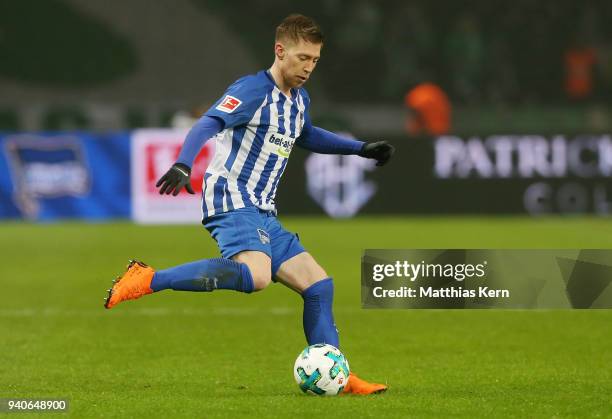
x=229, y=104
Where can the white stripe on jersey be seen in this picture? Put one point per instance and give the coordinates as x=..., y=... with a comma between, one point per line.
x=209, y=192
x=223, y=147
x=222, y=150
x=287, y=114
x=268, y=187
x=301, y=113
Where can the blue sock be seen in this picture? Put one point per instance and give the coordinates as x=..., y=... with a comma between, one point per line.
x=319, y=326
x=205, y=275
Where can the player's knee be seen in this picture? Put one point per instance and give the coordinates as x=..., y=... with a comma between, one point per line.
x=259, y=265
x=261, y=280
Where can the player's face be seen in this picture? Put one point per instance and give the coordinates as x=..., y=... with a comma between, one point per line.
x=299, y=62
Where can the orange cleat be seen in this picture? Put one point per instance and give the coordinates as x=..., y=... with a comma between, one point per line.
x=133, y=284
x=358, y=386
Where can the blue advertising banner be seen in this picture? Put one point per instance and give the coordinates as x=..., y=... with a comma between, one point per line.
x=46, y=176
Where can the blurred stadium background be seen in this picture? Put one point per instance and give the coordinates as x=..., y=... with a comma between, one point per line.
x=501, y=114
x=494, y=108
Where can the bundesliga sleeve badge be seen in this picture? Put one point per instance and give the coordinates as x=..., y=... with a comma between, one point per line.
x=229, y=104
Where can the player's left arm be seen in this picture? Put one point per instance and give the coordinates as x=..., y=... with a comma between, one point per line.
x=322, y=141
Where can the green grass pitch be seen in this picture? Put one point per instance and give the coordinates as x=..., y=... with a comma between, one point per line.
x=228, y=355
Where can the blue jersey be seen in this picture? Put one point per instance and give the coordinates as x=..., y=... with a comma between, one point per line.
x=261, y=125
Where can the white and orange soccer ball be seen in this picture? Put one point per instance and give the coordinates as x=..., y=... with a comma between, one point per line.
x=322, y=370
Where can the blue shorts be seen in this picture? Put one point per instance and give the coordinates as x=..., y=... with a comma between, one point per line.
x=251, y=228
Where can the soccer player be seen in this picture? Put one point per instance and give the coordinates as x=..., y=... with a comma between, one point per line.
x=255, y=124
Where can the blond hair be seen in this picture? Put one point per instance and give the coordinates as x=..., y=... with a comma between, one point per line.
x=295, y=27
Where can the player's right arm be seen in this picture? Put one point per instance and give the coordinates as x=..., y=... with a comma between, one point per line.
x=234, y=108
x=179, y=175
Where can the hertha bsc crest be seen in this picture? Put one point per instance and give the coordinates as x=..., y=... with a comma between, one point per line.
x=263, y=236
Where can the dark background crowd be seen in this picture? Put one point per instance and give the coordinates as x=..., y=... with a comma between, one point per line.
x=501, y=66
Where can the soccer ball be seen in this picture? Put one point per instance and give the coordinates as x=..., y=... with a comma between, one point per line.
x=322, y=370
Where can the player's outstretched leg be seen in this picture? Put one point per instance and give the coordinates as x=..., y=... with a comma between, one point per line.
x=319, y=327
x=203, y=275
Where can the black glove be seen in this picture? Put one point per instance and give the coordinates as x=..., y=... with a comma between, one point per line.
x=380, y=150
x=178, y=176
